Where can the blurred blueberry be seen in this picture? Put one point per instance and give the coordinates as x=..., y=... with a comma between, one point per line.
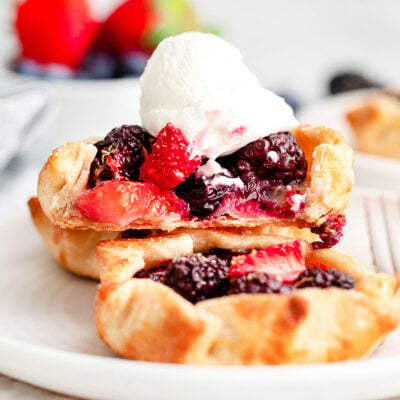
x=99, y=65
x=33, y=68
x=133, y=64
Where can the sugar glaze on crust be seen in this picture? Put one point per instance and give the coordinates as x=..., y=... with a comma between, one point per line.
x=328, y=186
x=144, y=320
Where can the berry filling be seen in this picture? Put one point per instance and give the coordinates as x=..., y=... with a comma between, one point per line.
x=170, y=161
x=329, y=232
x=261, y=179
x=222, y=272
x=120, y=155
x=122, y=202
x=282, y=261
x=275, y=160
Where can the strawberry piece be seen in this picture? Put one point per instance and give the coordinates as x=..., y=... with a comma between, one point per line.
x=170, y=161
x=284, y=261
x=56, y=31
x=124, y=30
x=121, y=202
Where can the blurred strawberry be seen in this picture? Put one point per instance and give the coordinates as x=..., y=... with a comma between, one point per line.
x=124, y=29
x=55, y=31
x=137, y=26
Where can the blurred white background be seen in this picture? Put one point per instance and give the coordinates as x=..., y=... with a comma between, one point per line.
x=296, y=45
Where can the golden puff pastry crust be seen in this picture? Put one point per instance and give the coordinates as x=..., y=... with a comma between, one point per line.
x=73, y=249
x=328, y=186
x=376, y=125
x=144, y=320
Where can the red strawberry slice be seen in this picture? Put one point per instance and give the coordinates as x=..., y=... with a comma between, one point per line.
x=284, y=261
x=122, y=202
x=56, y=31
x=170, y=161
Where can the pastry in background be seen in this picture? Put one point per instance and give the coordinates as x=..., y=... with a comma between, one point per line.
x=376, y=125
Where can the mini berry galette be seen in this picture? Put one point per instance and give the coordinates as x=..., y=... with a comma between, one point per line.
x=130, y=180
x=215, y=149
x=219, y=297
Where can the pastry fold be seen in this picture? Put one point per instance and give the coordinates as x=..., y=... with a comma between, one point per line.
x=327, y=188
x=144, y=320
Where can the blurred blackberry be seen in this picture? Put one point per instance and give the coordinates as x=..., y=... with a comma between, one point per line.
x=324, y=278
x=204, y=195
x=120, y=155
x=329, y=232
x=156, y=274
x=198, y=277
x=255, y=282
x=347, y=81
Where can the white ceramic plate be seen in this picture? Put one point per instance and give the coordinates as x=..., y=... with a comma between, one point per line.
x=370, y=171
x=47, y=338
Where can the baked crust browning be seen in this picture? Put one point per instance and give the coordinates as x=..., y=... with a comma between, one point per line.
x=376, y=125
x=153, y=324
x=310, y=325
x=73, y=249
x=328, y=185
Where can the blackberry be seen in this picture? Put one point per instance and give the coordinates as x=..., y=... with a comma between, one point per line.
x=346, y=81
x=204, y=195
x=156, y=274
x=198, y=277
x=329, y=232
x=276, y=160
x=120, y=155
x=324, y=278
x=255, y=282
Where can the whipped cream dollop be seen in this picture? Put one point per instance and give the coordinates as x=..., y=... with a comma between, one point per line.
x=198, y=82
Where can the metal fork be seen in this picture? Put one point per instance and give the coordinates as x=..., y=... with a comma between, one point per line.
x=383, y=220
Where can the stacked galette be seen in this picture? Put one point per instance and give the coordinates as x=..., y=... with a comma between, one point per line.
x=214, y=221
x=231, y=284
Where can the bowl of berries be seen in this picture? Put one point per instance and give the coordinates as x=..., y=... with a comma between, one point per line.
x=92, y=55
